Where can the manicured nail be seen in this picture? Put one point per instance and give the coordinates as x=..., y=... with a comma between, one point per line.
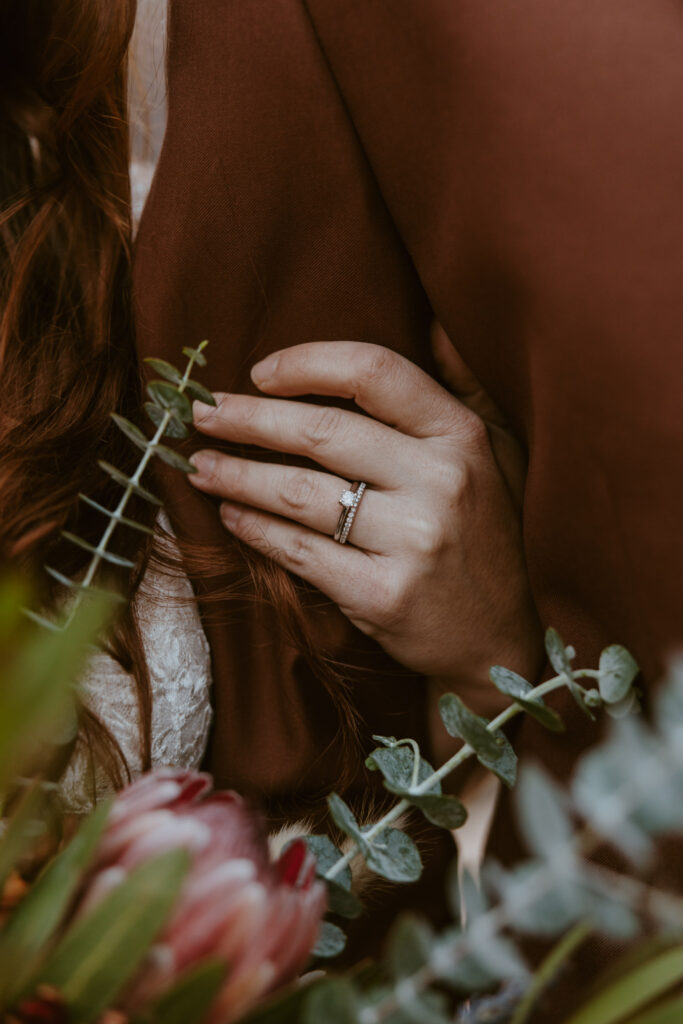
x=204, y=463
x=263, y=371
x=230, y=515
x=202, y=411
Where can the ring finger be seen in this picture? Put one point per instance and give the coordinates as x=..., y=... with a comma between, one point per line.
x=303, y=495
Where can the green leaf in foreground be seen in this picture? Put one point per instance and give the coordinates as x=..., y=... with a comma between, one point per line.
x=30, y=928
x=331, y=941
x=332, y=1002
x=25, y=827
x=640, y=986
x=101, y=951
x=189, y=1000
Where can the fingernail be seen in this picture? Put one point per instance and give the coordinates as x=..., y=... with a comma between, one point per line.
x=204, y=463
x=230, y=515
x=263, y=371
x=202, y=411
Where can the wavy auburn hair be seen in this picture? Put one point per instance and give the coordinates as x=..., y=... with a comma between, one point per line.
x=67, y=351
x=67, y=355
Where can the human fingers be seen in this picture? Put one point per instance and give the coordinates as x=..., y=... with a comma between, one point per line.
x=351, y=445
x=340, y=571
x=306, y=496
x=383, y=383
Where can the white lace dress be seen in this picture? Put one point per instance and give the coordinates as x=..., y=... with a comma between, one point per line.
x=180, y=675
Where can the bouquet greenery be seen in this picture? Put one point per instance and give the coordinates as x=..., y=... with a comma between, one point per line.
x=165, y=906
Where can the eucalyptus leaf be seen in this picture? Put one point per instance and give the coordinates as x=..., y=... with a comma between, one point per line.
x=126, y=482
x=397, y=766
x=132, y=432
x=513, y=685
x=445, y=811
x=618, y=670
x=326, y=855
x=540, y=807
x=142, y=527
x=394, y=856
x=165, y=370
x=463, y=723
x=189, y=999
x=331, y=941
x=196, y=355
x=199, y=392
x=174, y=427
x=504, y=766
x=173, y=458
x=559, y=657
x=344, y=818
x=32, y=926
x=557, y=653
x=342, y=902
x=628, y=705
x=410, y=946
x=168, y=396
x=473, y=901
x=332, y=1002
x=105, y=555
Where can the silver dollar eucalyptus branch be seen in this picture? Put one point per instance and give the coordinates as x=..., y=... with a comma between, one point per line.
x=390, y=852
x=628, y=791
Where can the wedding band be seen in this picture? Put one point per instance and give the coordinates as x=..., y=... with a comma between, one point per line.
x=349, y=501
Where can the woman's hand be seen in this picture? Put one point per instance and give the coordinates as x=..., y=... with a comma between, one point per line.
x=433, y=568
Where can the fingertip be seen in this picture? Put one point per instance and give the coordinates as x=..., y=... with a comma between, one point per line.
x=264, y=371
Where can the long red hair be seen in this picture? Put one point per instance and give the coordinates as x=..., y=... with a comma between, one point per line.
x=67, y=350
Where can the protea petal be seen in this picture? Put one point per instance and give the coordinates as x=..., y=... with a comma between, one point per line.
x=260, y=918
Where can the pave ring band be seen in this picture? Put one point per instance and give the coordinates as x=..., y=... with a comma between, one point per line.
x=349, y=501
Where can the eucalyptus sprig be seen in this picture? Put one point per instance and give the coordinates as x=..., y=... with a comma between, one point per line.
x=390, y=852
x=627, y=791
x=170, y=410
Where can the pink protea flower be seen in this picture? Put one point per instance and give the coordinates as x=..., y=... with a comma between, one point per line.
x=262, y=918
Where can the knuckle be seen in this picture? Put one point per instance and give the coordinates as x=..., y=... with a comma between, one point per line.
x=320, y=426
x=375, y=366
x=393, y=599
x=297, y=491
x=298, y=554
x=428, y=536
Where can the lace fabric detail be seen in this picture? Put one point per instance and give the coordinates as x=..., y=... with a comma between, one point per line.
x=179, y=666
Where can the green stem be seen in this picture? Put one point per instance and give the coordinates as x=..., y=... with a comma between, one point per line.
x=548, y=969
x=465, y=752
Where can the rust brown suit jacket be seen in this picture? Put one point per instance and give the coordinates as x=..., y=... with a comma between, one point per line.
x=353, y=168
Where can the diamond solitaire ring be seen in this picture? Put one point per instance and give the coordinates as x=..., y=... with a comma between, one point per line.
x=349, y=501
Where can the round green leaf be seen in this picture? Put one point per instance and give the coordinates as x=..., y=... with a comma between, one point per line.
x=618, y=670
x=173, y=458
x=394, y=856
x=165, y=370
x=199, y=392
x=167, y=396
x=463, y=723
x=331, y=941
x=174, y=426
